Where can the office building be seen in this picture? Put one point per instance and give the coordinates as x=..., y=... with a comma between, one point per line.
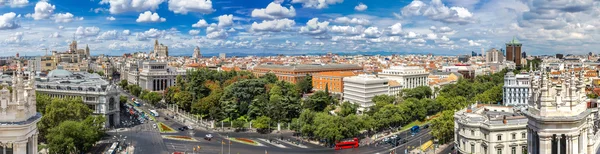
x=97, y=93
x=490, y=129
x=157, y=76
x=19, y=118
x=333, y=80
x=562, y=120
x=513, y=51
x=494, y=56
x=407, y=76
x=295, y=73
x=362, y=88
x=515, y=90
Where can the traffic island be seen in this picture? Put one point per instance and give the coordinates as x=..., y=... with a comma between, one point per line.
x=245, y=141
x=165, y=129
x=180, y=138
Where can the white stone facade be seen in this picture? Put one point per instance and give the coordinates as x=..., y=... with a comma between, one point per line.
x=157, y=76
x=515, y=90
x=407, y=76
x=490, y=129
x=362, y=88
x=18, y=116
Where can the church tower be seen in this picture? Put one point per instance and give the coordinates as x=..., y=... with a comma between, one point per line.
x=559, y=118
x=87, y=51
x=18, y=116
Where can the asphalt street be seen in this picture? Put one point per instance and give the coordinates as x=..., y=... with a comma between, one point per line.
x=148, y=140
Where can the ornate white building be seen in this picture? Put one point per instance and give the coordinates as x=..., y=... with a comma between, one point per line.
x=18, y=116
x=158, y=76
x=516, y=89
x=407, y=76
x=560, y=119
x=160, y=50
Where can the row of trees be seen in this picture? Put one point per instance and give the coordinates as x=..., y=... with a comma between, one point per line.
x=151, y=97
x=68, y=125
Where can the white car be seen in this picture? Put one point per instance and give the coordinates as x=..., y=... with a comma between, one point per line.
x=154, y=126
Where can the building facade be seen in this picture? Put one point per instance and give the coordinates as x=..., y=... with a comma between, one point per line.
x=490, y=129
x=19, y=118
x=96, y=93
x=332, y=80
x=513, y=51
x=157, y=76
x=515, y=90
x=561, y=120
x=160, y=50
x=197, y=53
x=295, y=73
x=362, y=88
x=494, y=56
x=407, y=76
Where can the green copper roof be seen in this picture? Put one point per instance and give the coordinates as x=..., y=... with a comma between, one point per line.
x=514, y=41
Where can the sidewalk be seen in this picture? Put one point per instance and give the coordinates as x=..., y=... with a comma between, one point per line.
x=430, y=150
x=128, y=150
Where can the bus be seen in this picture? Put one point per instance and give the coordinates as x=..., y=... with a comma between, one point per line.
x=113, y=148
x=154, y=113
x=347, y=144
x=137, y=103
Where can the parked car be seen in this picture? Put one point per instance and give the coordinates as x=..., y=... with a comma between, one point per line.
x=208, y=137
x=166, y=118
x=154, y=126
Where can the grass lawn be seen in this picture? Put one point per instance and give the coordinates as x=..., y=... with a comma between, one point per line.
x=181, y=138
x=165, y=129
x=245, y=141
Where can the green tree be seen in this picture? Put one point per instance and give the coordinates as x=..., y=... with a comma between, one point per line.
x=318, y=101
x=101, y=73
x=237, y=97
x=592, y=96
x=348, y=108
x=153, y=98
x=261, y=122
x=417, y=92
x=442, y=127
x=328, y=127
x=305, y=84
x=204, y=105
x=75, y=136
x=123, y=99
x=238, y=123
x=269, y=77
x=380, y=101
x=42, y=100
x=123, y=83
x=60, y=110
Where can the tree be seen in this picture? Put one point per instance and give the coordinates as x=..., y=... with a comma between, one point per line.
x=202, y=106
x=417, y=92
x=261, y=123
x=305, y=84
x=62, y=110
x=122, y=99
x=101, y=73
x=442, y=127
x=75, y=136
x=318, y=101
x=134, y=90
x=348, y=109
x=41, y=101
x=380, y=101
x=237, y=97
x=269, y=77
x=238, y=123
x=123, y=83
x=153, y=98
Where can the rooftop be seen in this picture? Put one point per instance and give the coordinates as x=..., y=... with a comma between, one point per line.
x=337, y=73
x=305, y=67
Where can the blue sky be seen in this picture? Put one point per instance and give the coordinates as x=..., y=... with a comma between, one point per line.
x=448, y=27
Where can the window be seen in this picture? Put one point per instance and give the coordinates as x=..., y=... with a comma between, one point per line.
x=514, y=136
x=484, y=136
x=484, y=149
x=523, y=135
x=524, y=149
x=472, y=148
x=499, y=137
x=499, y=150
x=513, y=150
x=472, y=133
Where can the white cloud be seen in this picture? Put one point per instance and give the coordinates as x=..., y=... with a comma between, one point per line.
x=396, y=29
x=225, y=20
x=65, y=17
x=150, y=34
x=473, y=43
x=273, y=25
x=218, y=34
x=108, y=35
x=42, y=10
x=318, y=4
x=55, y=35
x=231, y=30
x=194, y=32
x=442, y=30
x=61, y=27
x=431, y=36
x=149, y=17
x=347, y=30
x=353, y=21
x=15, y=38
x=7, y=21
x=111, y=18
x=185, y=6
x=372, y=32
x=360, y=7
x=120, y=6
x=87, y=31
x=15, y=3
x=314, y=27
x=126, y=32
x=274, y=11
x=437, y=11
x=411, y=35
x=200, y=24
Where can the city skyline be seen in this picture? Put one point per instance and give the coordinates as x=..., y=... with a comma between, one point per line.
x=451, y=27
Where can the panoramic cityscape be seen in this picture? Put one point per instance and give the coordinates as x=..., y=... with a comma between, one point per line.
x=299, y=76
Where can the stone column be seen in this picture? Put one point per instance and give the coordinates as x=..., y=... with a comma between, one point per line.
x=575, y=144
x=35, y=143
x=20, y=147
x=545, y=145
x=529, y=140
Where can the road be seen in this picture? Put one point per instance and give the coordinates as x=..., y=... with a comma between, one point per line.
x=148, y=140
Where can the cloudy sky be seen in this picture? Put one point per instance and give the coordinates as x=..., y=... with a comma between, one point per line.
x=448, y=27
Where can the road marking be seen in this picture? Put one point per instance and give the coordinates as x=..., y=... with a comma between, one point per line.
x=299, y=146
x=277, y=145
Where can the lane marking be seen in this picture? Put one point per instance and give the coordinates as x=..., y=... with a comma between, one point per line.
x=277, y=145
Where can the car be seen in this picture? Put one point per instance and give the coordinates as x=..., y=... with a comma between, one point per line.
x=190, y=127
x=166, y=118
x=180, y=129
x=426, y=126
x=208, y=137
x=154, y=126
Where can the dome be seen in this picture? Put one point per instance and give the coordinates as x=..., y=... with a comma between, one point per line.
x=59, y=72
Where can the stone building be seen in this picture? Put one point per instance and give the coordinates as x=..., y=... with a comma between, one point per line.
x=157, y=76
x=18, y=116
x=516, y=89
x=160, y=50
x=407, y=76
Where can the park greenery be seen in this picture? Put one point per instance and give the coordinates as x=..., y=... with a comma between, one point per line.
x=67, y=124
